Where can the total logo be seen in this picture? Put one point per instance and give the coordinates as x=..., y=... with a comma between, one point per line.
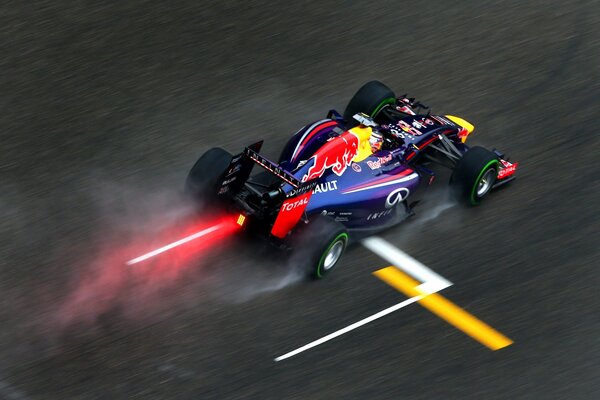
x=376, y=164
x=396, y=197
x=289, y=206
x=325, y=187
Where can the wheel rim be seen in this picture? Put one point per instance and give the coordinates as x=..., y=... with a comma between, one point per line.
x=485, y=183
x=333, y=255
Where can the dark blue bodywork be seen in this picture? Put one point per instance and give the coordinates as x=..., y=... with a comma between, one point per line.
x=373, y=193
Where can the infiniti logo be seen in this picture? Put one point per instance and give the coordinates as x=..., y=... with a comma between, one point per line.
x=396, y=197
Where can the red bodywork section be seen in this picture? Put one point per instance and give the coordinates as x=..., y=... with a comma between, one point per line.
x=289, y=214
x=507, y=169
x=336, y=154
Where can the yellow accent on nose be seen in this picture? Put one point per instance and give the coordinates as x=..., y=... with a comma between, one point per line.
x=462, y=122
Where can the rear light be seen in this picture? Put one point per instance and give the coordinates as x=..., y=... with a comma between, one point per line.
x=241, y=219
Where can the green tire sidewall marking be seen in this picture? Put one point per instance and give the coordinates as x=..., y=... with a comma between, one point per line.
x=380, y=106
x=474, y=200
x=345, y=236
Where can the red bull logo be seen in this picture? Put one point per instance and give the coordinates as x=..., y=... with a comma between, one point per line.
x=336, y=154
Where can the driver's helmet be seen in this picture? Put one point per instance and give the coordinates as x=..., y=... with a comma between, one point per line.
x=376, y=141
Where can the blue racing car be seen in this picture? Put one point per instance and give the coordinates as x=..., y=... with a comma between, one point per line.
x=347, y=176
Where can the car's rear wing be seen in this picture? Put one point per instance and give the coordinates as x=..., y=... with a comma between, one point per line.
x=291, y=198
x=272, y=167
x=237, y=173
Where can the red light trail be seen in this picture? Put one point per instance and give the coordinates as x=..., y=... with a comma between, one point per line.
x=224, y=227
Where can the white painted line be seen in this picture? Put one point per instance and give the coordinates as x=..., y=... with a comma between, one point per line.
x=432, y=287
x=173, y=245
x=349, y=328
x=432, y=282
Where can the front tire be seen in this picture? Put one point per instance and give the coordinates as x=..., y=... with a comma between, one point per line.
x=475, y=175
x=369, y=99
x=319, y=246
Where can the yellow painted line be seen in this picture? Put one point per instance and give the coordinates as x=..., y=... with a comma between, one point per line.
x=445, y=309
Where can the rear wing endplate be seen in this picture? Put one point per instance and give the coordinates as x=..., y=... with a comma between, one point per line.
x=272, y=167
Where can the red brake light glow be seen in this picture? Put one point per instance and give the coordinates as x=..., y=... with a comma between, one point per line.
x=216, y=231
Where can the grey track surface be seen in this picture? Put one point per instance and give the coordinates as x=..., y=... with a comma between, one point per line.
x=105, y=107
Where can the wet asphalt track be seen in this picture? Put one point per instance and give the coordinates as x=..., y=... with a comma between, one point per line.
x=105, y=107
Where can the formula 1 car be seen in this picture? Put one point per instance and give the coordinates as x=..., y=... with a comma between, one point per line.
x=347, y=176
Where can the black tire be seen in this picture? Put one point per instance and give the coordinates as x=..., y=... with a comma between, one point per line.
x=369, y=99
x=322, y=236
x=474, y=175
x=201, y=183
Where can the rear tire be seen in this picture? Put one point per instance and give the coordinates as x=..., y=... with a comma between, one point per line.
x=319, y=246
x=369, y=99
x=202, y=180
x=474, y=175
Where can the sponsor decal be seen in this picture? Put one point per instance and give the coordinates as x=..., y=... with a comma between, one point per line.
x=417, y=124
x=336, y=154
x=376, y=164
x=356, y=167
x=405, y=109
x=290, y=205
x=325, y=187
x=396, y=196
x=394, y=130
x=508, y=169
x=406, y=127
x=378, y=215
x=301, y=190
x=289, y=214
x=421, y=124
x=235, y=168
x=228, y=181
